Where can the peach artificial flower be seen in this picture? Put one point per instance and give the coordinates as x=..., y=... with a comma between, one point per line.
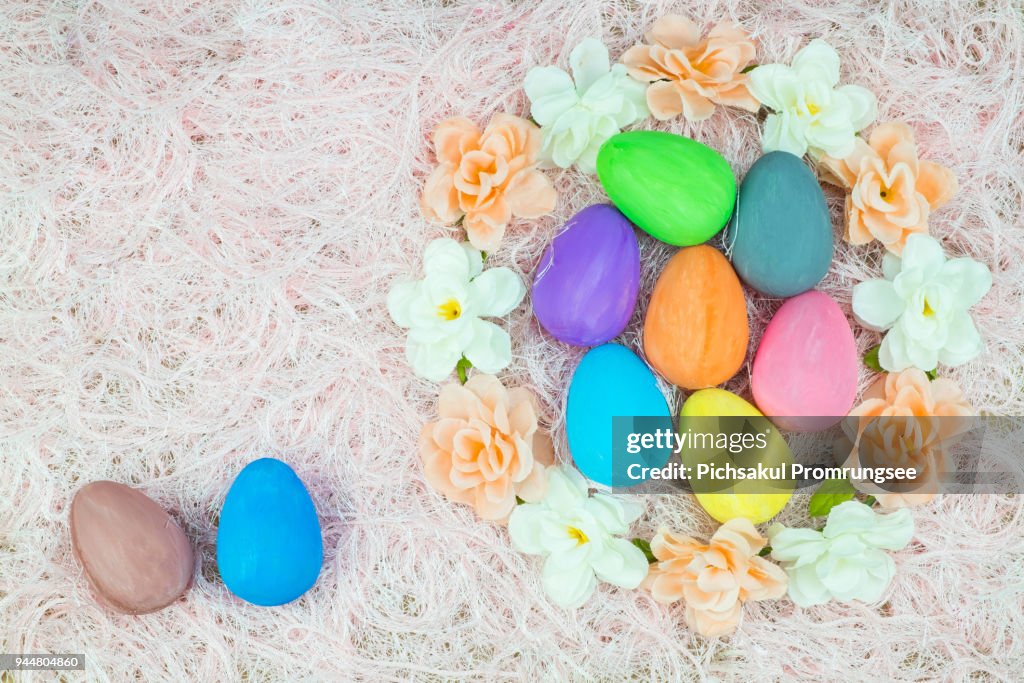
x=905, y=421
x=892, y=192
x=487, y=178
x=486, y=448
x=716, y=578
x=690, y=75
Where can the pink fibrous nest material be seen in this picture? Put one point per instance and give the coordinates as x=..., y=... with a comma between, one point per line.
x=202, y=208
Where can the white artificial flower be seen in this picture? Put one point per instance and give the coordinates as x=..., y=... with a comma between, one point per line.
x=811, y=113
x=578, y=534
x=576, y=118
x=923, y=303
x=443, y=311
x=844, y=561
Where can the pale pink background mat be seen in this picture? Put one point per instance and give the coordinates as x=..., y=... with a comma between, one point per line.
x=202, y=207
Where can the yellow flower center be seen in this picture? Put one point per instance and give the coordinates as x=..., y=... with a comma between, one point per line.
x=928, y=310
x=813, y=109
x=449, y=310
x=580, y=537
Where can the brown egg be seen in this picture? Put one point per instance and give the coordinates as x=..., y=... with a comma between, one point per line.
x=696, y=330
x=136, y=559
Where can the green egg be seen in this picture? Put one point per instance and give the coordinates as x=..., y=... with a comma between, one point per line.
x=678, y=190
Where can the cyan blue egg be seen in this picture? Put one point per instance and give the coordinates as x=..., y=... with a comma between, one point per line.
x=780, y=237
x=269, y=545
x=613, y=382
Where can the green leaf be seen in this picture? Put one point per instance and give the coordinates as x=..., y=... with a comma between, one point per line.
x=461, y=368
x=483, y=256
x=832, y=492
x=750, y=68
x=645, y=548
x=520, y=501
x=871, y=358
x=765, y=551
x=933, y=373
x=869, y=501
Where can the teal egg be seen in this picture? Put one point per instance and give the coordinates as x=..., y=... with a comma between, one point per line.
x=780, y=238
x=269, y=546
x=610, y=385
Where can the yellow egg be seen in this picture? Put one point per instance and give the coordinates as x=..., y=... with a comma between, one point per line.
x=753, y=499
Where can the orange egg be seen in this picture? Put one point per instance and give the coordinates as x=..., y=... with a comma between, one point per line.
x=696, y=331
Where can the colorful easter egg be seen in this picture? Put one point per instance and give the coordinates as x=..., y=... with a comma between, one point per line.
x=269, y=547
x=719, y=412
x=695, y=332
x=612, y=382
x=586, y=285
x=675, y=188
x=135, y=558
x=805, y=369
x=780, y=238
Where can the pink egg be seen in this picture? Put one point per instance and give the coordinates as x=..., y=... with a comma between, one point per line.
x=805, y=370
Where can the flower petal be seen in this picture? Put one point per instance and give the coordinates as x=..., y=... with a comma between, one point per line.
x=454, y=137
x=892, y=354
x=402, y=297
x=892, y=531
x=444, y=257
x=851, y=517
x=535, y=485
x=440, y=200
x=620, y=563
x=936, y=183
x=568, y=583
x=714, y=623
x=567, y=490
x=863, y=105
x=844, y=577
x=784, y=132
x=885, y=136
x=876, y=305
x=489, y=349
x=891, y=266
x=775, y=86
x=968, y=279
x=634, y=94
x=433, y=361
x=817, y=61
x=880, y=570
x=525, y=526
x=963, y=342
x=485, y=232
x=675, y=31
x=696, y=107
x=613, y=513
x=795, y=545
x=530, y=194
x=495, y=292
x=589, y=62
x=805, y=588
x=664, y=100
x=551, y=93
x=924, y=253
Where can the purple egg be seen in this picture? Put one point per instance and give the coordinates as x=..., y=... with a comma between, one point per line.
x=585, y=288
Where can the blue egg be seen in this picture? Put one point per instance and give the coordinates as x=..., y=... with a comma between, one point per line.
x=269, y=548
x=612, y=382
